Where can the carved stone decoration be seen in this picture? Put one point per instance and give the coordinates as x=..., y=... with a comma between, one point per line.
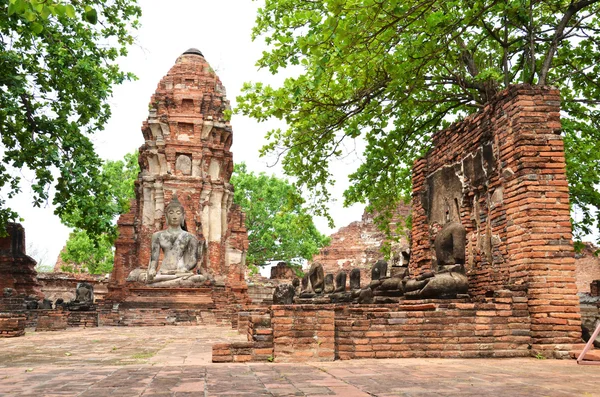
x=329, y=286
x=355, y=279
x=296, y=284
x=317, y=278
x=379, y=270
x=45, y=304
x=340, y=281
x=187, y=153
x=284, y=294
x=398, y=271
x=184, y=164
x=365, y=296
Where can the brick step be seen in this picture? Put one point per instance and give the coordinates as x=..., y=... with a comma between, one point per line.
x=591, y=355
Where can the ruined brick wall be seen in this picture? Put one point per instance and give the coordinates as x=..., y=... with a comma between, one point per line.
x=497, y=326
x=282, y=271
x=52, y=320
x=173, y=306
x=358, y=245
x=501, y=173
x=303, y=333
x=12, y=324
x=17, y=269
x=63, y=285
x=587, y=268
x=258, y=348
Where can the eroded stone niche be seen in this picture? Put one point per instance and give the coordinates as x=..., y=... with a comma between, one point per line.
x=462, y=190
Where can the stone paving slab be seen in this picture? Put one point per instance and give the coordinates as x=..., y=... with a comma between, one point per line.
x=175, y=361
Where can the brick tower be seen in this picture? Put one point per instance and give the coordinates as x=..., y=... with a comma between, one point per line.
x=186, y=152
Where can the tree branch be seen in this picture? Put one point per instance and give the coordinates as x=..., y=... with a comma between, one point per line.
x=559, y=36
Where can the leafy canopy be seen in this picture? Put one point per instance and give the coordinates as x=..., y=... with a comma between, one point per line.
x=95, y=253
x=81, y=253
x=279, y=228
x=57, y=70
x=392, y=72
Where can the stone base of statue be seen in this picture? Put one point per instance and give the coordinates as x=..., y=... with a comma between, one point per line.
x=170, y=279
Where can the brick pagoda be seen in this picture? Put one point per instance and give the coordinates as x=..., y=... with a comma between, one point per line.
x=186, y=152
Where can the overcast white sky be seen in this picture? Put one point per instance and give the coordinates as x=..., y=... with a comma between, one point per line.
x=221, y=30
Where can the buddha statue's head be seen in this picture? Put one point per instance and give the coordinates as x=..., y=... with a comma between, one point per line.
x=175, y=213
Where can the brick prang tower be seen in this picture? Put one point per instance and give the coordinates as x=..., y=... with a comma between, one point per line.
x=186, y=152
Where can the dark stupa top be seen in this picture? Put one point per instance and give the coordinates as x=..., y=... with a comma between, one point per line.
x=194, y=51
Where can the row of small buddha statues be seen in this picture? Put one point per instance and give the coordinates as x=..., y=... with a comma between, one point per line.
x=447, y=279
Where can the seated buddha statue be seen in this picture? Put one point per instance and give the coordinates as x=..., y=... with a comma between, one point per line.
x=181, y=254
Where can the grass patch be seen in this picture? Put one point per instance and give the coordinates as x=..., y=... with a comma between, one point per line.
x=143, y=356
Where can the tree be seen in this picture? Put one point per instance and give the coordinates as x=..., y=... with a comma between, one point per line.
x=57, y=69
x=95, y=253
x=392, y=72
x=279, y=228
x=83, y=253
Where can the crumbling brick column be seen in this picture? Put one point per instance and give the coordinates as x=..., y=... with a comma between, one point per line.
x=536, y=197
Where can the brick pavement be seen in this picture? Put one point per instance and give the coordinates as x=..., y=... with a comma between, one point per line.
x=175, y=361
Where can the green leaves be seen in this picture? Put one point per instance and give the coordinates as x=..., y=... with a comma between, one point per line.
x=279, y=228
x=92, y=249
x=90, y=15
x=56, y=75
x=32, y=10
x=83, y=253
x=394, y=72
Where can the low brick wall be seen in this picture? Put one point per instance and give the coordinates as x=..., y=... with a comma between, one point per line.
x=12, y=324
x=12, y=303
x=52, y=320
x=258, y=348
x=148, y=317
x=83, y=319
x=498, y=326
x=304, y=332
x=145, y=306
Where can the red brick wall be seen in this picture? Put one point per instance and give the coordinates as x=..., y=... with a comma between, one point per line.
x=521, y=210
x=17, y=270
x=258, y=348
x=303, y=333
x=12, y=324
x=498, y=326
x=52, y=320
x=587, y=268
